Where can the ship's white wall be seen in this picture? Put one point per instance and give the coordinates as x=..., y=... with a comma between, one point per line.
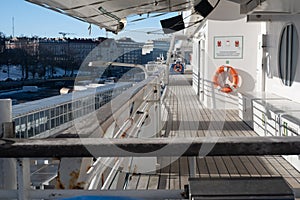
x=195, y=64
x=198, y=61
x=273, y=82
x=246, y=67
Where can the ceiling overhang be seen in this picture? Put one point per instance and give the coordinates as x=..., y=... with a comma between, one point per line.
x=111, y=14
x=268, y=10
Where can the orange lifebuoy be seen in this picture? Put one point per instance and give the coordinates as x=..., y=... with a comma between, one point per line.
x=235, y=79
x=177, y=68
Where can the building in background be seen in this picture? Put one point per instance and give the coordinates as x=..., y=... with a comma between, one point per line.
x=56, y=47
x=129, y=51
x=30, y=45
x=154, y=49
x=40, y=56
x=108, y=50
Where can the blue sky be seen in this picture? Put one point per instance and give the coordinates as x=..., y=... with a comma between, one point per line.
x=31, y=20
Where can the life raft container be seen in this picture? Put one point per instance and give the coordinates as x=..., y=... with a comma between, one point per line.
x=227, y=88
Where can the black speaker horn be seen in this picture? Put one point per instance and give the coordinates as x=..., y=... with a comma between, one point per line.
x=172, y=24
x=203, y=8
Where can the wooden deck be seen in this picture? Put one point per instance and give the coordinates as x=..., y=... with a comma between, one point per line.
x=188, y=118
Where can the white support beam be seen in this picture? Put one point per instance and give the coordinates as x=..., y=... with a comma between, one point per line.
x=54, y=194
x=23, y=178
x=7, y=165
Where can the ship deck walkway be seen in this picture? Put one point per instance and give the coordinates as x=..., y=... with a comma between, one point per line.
x=189, y=118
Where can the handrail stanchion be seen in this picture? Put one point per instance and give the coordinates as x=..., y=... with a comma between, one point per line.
x=7, y=165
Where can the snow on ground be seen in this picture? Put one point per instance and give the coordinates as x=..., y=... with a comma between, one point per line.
x=15, y=72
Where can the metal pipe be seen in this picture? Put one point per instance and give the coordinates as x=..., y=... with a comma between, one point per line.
x=98, y=168
x=111, y=175
x=55, y=194
x=149, y=147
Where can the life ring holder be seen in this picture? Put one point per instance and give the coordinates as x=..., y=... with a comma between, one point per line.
x=177, y=68
x=235, y=79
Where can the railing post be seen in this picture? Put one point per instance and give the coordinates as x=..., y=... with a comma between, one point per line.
x=23, y=168
x=192, y=166
x=213, y=96
x=156, y=104
x=167, y=74
x=5, y=117
x=159, y=110
x=7, y=165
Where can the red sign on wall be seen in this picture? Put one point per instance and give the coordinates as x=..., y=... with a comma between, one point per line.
x=237, y=43
x=228, y=47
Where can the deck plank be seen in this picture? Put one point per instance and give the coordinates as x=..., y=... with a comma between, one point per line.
x=189, y=118
x=143, y=182
x=162, y=184
x=243, y=171
x=133, y=182
x=174, y=182
x=203, y=169
x=248, y=164
x=164, y=164
x=153, y=182
x=269, y=167
x=257, y=165
x=174, y=177
x=184, y=166
x=221, y=167
x=232, y=170
x=212, y=168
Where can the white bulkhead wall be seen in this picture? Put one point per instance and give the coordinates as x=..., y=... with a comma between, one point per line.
x=273, y=82
x=246, y=66
x=194, y=63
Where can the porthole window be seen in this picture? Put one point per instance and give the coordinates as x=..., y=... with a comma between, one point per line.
x=288, y=54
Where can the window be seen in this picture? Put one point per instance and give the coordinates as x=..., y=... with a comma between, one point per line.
x=288, y=54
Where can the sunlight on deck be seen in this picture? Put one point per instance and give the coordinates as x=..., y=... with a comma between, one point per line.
x=190, y=119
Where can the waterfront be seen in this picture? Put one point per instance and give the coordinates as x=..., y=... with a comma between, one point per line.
x=223, y=123
x=20, y=96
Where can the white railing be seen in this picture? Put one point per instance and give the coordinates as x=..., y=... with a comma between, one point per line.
x=128, y=111
x=37, y=118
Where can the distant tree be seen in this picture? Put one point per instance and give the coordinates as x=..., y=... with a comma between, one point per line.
x=46, y=59
x=2, y=42
x=76, y=62
x=73, y=61
x=2, y=58
x=26, y=60
x=17, y=57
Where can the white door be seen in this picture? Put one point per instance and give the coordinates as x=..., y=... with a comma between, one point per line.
x=201, y=69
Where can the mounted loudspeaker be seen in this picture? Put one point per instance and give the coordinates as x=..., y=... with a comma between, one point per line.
x=172, y=24
x=203, y=8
